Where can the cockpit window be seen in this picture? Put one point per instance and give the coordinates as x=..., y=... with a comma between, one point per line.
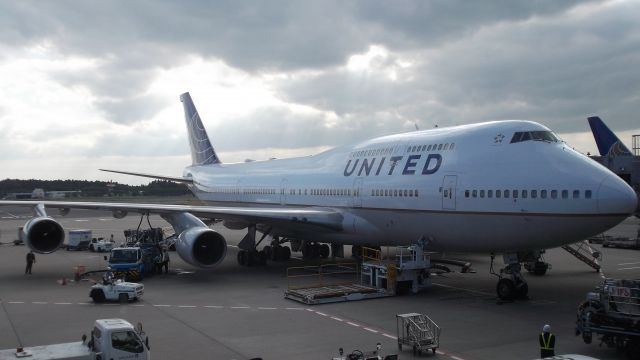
x=533, y=135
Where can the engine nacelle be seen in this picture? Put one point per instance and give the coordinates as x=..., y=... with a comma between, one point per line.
x=119, y=214
x=201, y=246
x=43, y=235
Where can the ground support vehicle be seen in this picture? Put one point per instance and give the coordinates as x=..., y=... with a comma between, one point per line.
x=116, y=290
x=79, y=239
x=612, y=312
x=133, y=237
x=418, y=332
x=133, y=263
x=110, y=339
x=100, y=245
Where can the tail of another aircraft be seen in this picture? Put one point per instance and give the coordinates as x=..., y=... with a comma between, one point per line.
x=202, y=152
x=608, y=143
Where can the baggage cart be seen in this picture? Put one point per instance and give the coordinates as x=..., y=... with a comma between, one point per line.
x=417, y=331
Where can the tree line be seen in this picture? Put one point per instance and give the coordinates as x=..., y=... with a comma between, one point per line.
x=93, y=188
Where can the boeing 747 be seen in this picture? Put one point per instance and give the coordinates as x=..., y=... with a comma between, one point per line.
x=502, y=187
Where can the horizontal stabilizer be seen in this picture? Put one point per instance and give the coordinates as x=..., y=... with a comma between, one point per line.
x=153, y=176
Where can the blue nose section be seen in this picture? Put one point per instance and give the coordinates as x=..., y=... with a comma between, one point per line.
x=616, y=197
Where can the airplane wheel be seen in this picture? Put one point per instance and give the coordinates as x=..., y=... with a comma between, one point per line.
x=325, y=250
x=505, y=289
x=286, y=253
x=270, y=252
x=356, y=251
x=243, y=258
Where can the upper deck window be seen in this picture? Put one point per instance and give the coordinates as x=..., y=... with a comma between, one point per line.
x=533, y=135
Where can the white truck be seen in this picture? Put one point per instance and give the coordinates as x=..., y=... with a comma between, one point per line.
x=79, y=239
x=116, y=290
x=110, y=339
x=100, y=245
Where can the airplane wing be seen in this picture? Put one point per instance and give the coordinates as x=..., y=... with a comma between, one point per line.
x=153, y=176
x=310, y=219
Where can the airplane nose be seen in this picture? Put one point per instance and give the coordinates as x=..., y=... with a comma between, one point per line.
x=616, y=197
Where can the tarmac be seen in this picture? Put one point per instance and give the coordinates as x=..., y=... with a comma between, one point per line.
x=234, y=312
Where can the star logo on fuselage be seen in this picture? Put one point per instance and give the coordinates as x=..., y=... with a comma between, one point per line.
x=498, y=139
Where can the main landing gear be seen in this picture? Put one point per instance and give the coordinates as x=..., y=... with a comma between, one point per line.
x=511, y=284
x=248, y=255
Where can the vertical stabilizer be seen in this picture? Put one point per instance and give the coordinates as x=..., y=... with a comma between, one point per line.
x=202, y=152
x=608, y=143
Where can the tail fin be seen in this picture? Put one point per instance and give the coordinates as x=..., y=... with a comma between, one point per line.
x=202, y=152
x=608, y=143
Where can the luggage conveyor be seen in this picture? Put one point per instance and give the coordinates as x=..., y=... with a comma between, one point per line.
x=374, y=277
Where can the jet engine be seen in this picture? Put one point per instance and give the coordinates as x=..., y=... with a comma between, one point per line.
x=201, y=246
x=43, y=234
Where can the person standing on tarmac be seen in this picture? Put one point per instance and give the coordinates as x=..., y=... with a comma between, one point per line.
x=165, y=261
x=547, y=342
x=31, y=258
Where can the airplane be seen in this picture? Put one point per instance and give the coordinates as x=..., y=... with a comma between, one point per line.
x=615, y=155
x=501, y=187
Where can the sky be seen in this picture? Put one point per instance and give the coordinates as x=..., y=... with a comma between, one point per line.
x=95, y=84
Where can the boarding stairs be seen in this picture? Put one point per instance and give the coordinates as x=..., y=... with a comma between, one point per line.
x=585, y=253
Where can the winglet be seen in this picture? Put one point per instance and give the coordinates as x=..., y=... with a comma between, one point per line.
x=608, y=143
x=202, y=152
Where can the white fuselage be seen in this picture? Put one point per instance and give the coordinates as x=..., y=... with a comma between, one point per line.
x=465, y=188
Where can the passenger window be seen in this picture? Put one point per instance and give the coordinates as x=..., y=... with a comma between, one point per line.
x=474, y=193
x=416, y=192
x=395, y=192
x=515, y=194
x=439, y=147
x=587, y=194
x=489, y=193
x=524, y=194
x=565, y=194
x=543, y=194
x=400, y=193
x=446, y=146
x=534, y=194
x=506, y=194
x=554, y=194
x=482, y=194
x=466, y=193
x=576, y=194
x=429, y=148
x=498, y=193
x=451, y=146
x=406, y=193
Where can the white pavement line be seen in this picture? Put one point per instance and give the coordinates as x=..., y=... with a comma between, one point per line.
x=186, y=306
x=233, y=246
x=139, y=305
x=267, y=308
x=371, y=330
x=16, y=302
x=337, y=319
x=630, y=268
x=310, y=310
x=162, y=305
x=633, y=263
x=455, y=357
x=440, y=352
x=292, y=308
x=62, y=303
x=319, y=313
x=80, y=220
x=241, y=307
x=353, y=324
x=463, y=289
x=83, y=303
x=390, y=336
x=39, y=302
x=213, y=306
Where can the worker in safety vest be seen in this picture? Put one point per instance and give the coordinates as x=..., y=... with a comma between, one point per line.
x=547, y=342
